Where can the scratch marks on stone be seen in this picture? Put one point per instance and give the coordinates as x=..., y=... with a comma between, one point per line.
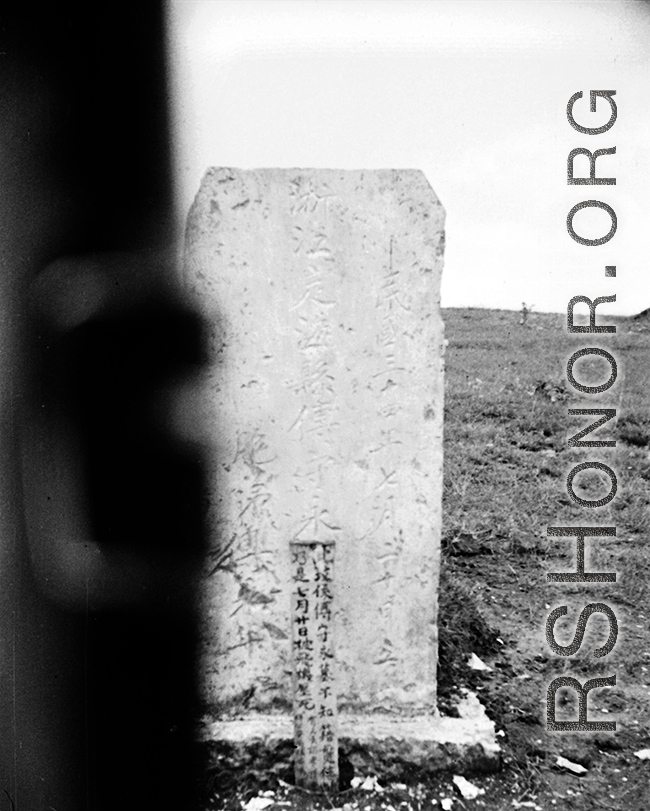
x=387, y=654
x=274, y=631
x=221, y=557
x=298, y=419
x=251, y=639
x=388, y=478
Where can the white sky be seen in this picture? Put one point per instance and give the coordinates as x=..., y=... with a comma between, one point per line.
x=473, y=92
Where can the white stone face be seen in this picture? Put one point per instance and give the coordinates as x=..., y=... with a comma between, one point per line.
x=322, y=291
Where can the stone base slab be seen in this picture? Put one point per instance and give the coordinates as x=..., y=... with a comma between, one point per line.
x=393, y=748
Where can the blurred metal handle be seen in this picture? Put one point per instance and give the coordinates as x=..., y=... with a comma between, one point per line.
x=97, y=688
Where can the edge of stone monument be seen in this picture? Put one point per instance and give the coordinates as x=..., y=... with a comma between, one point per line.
x=218, y=175
x=226, y=174
x=388, y=746
x=238, y=201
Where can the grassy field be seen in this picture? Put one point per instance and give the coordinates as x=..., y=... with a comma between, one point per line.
x=506, y=461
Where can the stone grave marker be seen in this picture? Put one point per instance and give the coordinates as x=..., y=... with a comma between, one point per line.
x=321, y=289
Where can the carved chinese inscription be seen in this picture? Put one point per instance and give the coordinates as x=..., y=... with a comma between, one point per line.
x=326, y=399
x=314, y=686
x=317, y=294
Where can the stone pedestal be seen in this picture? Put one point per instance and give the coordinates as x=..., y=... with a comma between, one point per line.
x=395, y=749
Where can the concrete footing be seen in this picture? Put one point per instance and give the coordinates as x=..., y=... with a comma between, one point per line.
x=388, y=746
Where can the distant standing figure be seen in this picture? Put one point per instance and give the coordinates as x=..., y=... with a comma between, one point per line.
x=524, y=312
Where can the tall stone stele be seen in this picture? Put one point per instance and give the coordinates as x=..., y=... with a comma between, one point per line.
x=321, y=291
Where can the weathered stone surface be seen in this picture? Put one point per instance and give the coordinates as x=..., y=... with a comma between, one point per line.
x=322, y=289
x=395, y=748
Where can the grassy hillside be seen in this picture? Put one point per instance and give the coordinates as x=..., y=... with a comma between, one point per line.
x=506, y=462
x=506, y=440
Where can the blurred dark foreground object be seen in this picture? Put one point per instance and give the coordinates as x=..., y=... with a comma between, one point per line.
x=101, y=536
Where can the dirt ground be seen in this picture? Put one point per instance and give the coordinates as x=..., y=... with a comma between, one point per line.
x=506, y=461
